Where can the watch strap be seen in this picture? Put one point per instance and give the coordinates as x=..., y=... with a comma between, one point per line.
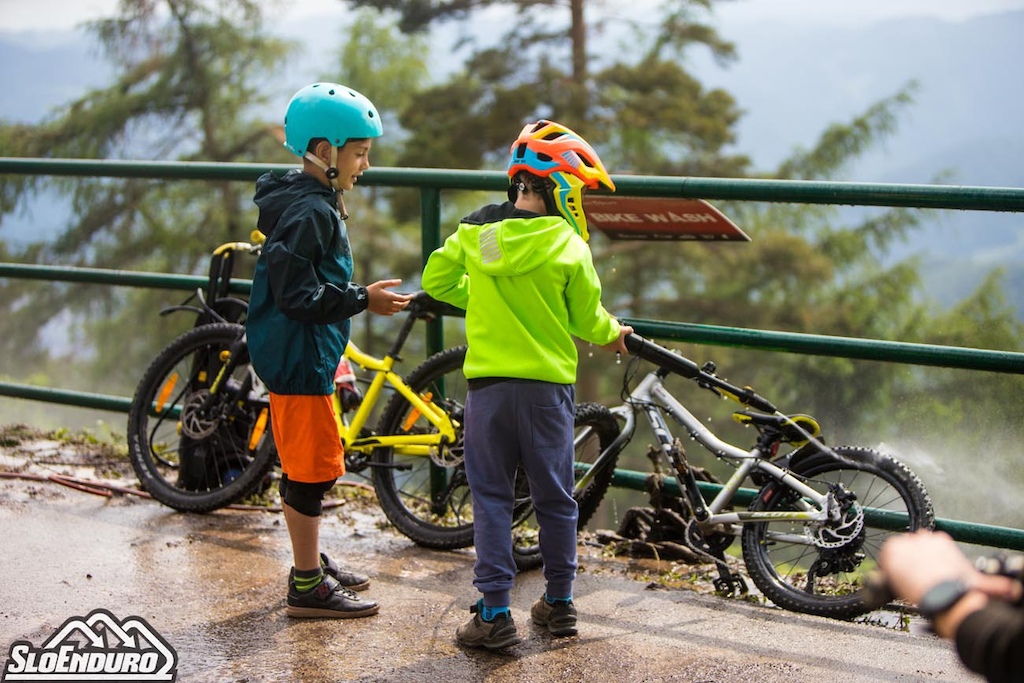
x=941, y=597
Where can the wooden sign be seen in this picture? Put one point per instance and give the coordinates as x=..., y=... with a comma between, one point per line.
x=659, y=219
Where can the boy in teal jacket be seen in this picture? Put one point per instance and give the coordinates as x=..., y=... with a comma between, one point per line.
x=298, y=325
x=524, y=274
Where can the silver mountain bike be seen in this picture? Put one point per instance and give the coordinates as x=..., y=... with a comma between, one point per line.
x=809, y=535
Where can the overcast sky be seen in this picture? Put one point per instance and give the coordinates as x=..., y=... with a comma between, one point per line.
x=19, y=15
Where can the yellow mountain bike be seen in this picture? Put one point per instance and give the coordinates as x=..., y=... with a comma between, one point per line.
x=200, y=437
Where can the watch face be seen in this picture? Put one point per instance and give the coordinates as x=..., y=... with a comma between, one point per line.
x=941, y=597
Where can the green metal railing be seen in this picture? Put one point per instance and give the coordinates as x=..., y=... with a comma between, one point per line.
x=431, y=182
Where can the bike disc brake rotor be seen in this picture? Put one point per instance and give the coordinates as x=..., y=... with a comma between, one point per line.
x=194, y=424
x=847, y=531
x=448, y=457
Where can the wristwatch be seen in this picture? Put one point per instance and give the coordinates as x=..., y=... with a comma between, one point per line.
x=941, y=597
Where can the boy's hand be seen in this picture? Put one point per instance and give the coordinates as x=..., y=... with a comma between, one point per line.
x=619, y=345
x=383, y=301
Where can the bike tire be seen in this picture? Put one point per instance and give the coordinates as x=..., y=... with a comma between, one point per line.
x=425, y=498
x=595, y=430
x=785, y=569
x=184, y=472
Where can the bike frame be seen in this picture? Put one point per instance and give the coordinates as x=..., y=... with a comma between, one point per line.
x=383, y=375
x=351, y=430
x=654, y=400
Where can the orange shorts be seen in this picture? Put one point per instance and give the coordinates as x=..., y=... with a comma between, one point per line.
x=306, y=435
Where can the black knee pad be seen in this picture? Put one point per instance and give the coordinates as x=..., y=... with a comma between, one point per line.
x=306, y=499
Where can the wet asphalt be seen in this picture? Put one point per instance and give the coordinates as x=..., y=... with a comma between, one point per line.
x=213, y=588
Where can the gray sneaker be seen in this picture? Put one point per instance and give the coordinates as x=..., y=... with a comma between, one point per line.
x=329, y=599
x=493, y=635
x=559, y=617
x=352, y=580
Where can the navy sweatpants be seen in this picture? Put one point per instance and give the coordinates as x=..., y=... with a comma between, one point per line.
x=509, y=422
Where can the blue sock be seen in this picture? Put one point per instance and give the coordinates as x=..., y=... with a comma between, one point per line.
x=551, y=601
x=488, y=612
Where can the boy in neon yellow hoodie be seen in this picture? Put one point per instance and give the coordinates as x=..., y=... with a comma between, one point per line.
x=524, y=274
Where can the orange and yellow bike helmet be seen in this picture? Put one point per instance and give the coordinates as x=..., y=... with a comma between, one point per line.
x=550, y=150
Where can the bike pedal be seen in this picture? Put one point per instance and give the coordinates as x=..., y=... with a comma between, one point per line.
x=733, y=585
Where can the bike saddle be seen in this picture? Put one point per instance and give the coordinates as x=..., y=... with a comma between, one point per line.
x=792, y=427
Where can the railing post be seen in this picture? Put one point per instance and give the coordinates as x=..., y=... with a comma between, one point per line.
x=430, y=221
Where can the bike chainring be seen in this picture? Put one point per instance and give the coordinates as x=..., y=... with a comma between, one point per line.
x=713, y=541
x=194, y=424
x=708, y=545
x=712, y=547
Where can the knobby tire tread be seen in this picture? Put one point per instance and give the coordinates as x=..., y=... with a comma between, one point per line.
x=760, y=565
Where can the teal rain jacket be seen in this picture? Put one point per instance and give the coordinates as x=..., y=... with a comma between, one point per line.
x=302, y=295
x=534, y=287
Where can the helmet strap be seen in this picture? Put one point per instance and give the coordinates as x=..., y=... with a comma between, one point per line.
x=331, y=171
x=339, y=199
x=549, y=204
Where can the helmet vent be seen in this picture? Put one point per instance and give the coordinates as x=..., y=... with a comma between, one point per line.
x=572, y=158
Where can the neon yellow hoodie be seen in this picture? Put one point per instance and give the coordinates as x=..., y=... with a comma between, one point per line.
x=534, y=287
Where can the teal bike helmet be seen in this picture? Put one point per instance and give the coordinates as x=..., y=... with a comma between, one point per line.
x=333, y=112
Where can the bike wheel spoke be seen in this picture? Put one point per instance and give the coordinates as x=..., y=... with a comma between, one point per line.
x=191, y=451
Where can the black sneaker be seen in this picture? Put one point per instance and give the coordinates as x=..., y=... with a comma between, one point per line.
x=559, y=617
x=493, y=635
x=352, y=580
x=329, y=599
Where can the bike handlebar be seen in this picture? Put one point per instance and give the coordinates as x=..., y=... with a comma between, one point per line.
x=660, y=356
x=680, y=365
x=424, y=306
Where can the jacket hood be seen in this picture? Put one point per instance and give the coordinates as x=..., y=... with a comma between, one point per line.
x=275, y=194
x=502, y=240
